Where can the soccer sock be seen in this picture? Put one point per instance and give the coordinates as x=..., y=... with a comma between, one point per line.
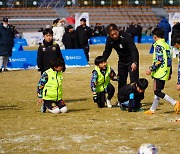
x=170, y=99
x=155, y=103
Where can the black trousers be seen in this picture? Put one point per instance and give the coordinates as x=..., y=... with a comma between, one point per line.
x=139, y=38
x=50, y=104
x=123, y=71
x=85, y=47
x=102, y=95
x=158, y=86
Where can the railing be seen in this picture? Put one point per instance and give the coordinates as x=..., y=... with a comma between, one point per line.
x=89, y=3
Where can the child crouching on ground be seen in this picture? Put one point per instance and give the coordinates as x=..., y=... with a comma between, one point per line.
x=130, y=95
x=100, y=82
x=49, y=88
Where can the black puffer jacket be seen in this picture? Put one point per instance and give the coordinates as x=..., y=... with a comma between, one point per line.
x=6, y=41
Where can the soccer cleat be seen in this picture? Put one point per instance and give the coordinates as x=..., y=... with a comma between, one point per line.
x=149, y=112
x=108, y=102
x=177, y=107
x=43, y=108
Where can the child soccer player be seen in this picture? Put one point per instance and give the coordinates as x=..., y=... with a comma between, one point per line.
x=49, y=88
x=176, y=40
x=130, y=95
x=47, y=51
x=100, y=82
x=161, y=70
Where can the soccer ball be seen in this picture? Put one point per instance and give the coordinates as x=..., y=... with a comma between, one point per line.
x=147, y=148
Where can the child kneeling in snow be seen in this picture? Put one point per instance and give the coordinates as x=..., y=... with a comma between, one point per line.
x=49, y=88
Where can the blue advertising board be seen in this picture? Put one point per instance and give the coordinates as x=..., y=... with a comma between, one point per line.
x=20, y=41
x=26, y=59
x=22, y=59
x=98, y=40
x=74, y=57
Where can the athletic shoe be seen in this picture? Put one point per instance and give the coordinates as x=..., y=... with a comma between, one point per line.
x=149, y=112
x=6, y=70
x=108, y=102
x=117, y=104
x=43, y=108
x=122, y=107
x=0, y=70
x=177, y=107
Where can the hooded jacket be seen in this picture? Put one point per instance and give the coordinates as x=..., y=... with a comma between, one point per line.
x=164, y=24
x=6, y=41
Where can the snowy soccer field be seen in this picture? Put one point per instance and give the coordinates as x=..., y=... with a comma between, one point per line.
x=85, y=128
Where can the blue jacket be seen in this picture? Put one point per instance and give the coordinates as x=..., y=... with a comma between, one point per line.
x=6, y=41
x=164, y=24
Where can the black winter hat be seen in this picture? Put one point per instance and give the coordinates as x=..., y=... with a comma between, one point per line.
x=69, y=27
x=5, y=19
x=83, y=19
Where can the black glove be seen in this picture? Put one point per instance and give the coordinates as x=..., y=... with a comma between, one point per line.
x=95, y=98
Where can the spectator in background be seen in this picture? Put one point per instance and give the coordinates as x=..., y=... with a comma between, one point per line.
x=175, y=31
x=132, y=30
x=164, y=24
x=103, y=31
x=58, y=32
x=69, y=38
x=83, y=33
x=97, y=29
x=149, y=31
x=139, y=32
x=6, y=43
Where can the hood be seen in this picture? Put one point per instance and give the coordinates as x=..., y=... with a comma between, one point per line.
x=164, y=20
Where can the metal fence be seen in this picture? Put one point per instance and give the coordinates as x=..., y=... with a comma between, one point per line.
x=101, y=3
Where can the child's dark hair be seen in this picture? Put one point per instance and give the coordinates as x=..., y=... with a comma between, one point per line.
x=111, y=27
x=176, y=39
x=159, y=32
x=47, y=31
x=57, y=62
x=99, y=60
x=142, y=83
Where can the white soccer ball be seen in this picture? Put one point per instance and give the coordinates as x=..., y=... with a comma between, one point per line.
x=147, y=148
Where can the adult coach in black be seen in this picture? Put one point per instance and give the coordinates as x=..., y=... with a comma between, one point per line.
x=83, y=33
x=128, y=54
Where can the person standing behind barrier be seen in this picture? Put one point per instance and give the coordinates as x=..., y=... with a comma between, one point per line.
x=58, y=32
x=47, y=51
x=139, y=32
x=69, y=38
x=6, y=43
x=83, y=33
x=164, y=24
x=127, y=52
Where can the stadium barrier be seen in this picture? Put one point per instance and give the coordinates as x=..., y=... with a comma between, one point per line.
x=102, y=39
x=24, y=59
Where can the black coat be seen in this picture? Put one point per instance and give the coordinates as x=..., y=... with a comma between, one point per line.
x=125, y=91
x=46, y=53
x=6, y=41
x=175, y=31
x=83, y=34
x=69, y=40
x=125, y=48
